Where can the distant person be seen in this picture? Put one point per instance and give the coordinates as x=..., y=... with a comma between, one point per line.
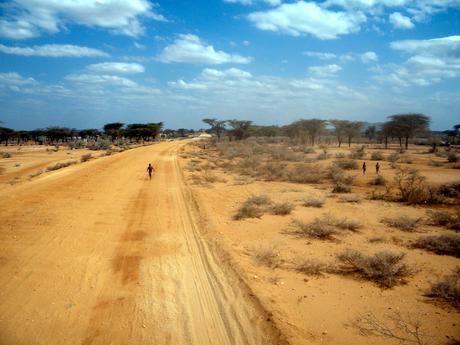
x=150, y=170
x=364, y=167
x=377, y=168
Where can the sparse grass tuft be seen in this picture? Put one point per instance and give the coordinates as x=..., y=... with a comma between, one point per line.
x=447, y=289
x=386, y=269
x=259, y=200
x=6, y=155
x=446, y=244
x=403, y=223
x=305, y=173
x=346, y=224
x=394, y=157
x=450, y=190
x=267, y=255
x=314, y=202
x=282, y=208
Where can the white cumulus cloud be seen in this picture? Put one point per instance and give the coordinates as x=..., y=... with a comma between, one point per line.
x=53, y=50
x=110, y=80
x=116, y=68
x=325, y=70
x=400, y=22
x=302, y=18
x=369, y=56
x=191, y=49
x=320, y=55
x=30, y=18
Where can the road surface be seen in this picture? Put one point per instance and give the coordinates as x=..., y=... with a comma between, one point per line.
x=98, y=254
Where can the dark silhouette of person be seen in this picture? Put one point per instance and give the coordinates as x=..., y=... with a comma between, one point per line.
x=377, y=168
x=364, y=167
x=150, y=170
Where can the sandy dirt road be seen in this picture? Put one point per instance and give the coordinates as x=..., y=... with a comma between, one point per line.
x=98, y=254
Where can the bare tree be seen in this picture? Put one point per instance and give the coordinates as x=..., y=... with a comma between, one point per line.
x=217, y=126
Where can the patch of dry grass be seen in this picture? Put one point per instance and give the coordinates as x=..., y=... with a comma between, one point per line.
x=314, y=202
x=447, y=289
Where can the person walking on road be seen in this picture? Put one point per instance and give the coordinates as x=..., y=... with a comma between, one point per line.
x=377, y=168
x=150, y=170
x=364, y=167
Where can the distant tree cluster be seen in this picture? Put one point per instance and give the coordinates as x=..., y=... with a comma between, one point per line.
x=54, y=135
x=403, y=127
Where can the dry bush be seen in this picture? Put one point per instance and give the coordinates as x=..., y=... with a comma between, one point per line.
x=248, y=211
x=357, y=153
x=86, y=157
x=322, y=156
x=259, y=200
x=271, y=171
x=450, y=190
x=251, y=208
x=340, y=187
x=305, y=173
x=403, y=330
x=447, y=289
x=36, y=173
x=352, y=198
x=60, y=165
x=443, y=218
x=340, y=155
x=337, y=175
x=211, y=178
x=387, y=269
x=319, y=229
x=282, y=208
x=405, y=159
x=413, y=188
x=446, y=244
x=377, y=156
x=378, y=180
x=6, y=155
x=346, y=164
x=346, y=224
x=267, y=255
x=311, y=267
x=314, y=202
x=403, y=223
x=452, y=157
x=436, y=163
x=393, y=157
x=376, y=239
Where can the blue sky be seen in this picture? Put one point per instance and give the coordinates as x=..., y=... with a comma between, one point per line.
x=83, y=63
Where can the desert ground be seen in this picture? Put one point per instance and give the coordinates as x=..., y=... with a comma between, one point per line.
x=96, y=253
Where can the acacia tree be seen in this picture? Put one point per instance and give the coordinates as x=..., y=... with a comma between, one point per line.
x=6, y=134
x=339, y=129
x=352, y=130
x=410, y=125
x=370, y=132
x=113, y=130
x=312, y=128
x=239, y=128
x=217, y=126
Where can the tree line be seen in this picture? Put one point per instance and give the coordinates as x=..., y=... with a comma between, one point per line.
x=112, y=131
x=402, y=127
